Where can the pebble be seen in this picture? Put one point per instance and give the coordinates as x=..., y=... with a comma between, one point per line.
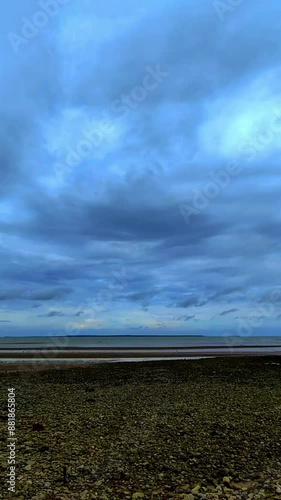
x=196, y=489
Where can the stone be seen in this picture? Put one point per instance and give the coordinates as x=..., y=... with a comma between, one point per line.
x=226, y=479
x=196, y=489
x=185, y=487
x=242, y=486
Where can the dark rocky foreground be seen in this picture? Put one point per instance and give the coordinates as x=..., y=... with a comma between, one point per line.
x=208, y=428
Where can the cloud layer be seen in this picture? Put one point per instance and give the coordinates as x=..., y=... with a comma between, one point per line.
x=139, y=176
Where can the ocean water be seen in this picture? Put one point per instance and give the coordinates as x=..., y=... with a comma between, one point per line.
x=135, y=341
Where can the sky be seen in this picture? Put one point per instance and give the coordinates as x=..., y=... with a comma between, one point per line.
x=140, y=167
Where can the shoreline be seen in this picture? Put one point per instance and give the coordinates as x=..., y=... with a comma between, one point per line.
x=14, y=364
x=28, y=359
x=138, y=348
x=112, y=353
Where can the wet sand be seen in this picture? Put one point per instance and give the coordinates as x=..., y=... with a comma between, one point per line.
x=136, y=352
x=144, y=348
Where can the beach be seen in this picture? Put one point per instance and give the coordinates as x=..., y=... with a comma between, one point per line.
x=175, y=429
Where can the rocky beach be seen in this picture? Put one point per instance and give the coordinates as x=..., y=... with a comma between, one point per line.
x=184, y=429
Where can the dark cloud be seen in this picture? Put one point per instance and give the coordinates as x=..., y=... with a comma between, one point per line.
x=52, y=294
x=228, y=311
x=192, y=301
x=227, y=292
x=41, y=294
x=186, y=318
x=51, y=314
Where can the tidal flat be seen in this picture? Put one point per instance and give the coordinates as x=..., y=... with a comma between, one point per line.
x=177, y=429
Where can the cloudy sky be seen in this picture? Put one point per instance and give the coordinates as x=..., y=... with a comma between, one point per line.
x=140, y=167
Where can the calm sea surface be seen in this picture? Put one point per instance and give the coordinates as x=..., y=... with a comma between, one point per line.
x=134, y=341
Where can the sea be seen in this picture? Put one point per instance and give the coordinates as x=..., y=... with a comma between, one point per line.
x=135, y=341
x=132, y=347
